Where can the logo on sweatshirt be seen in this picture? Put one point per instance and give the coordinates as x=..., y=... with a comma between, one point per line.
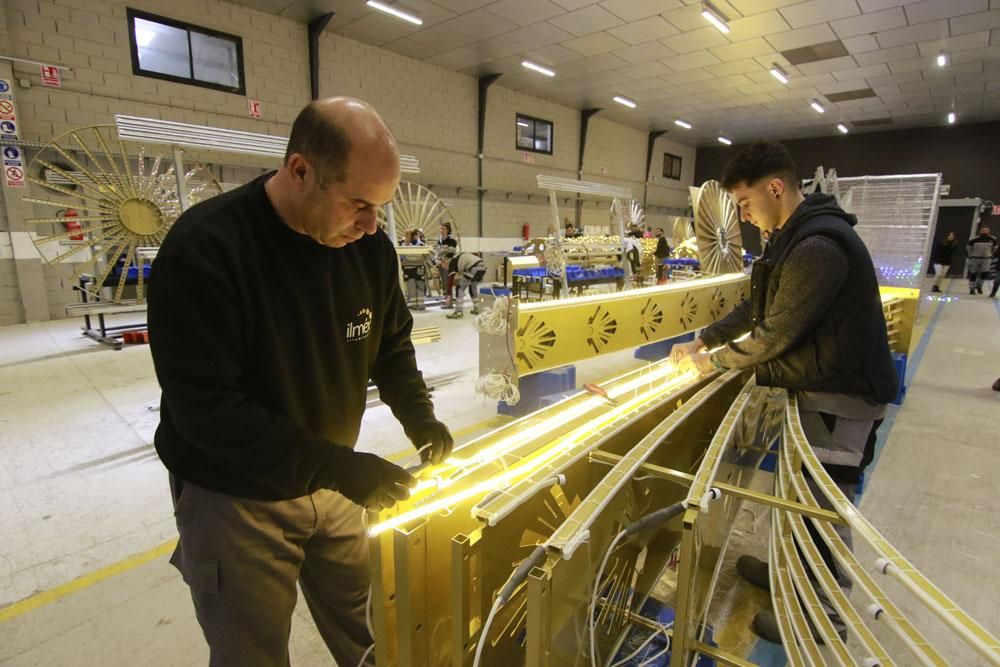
x=359, y=327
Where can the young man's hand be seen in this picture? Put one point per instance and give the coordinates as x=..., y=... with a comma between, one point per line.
x=681, y=350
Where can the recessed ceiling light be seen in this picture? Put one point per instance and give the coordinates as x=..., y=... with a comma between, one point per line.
x=842, y=128
x=624, y=101
x=713, y=16
x=682, y=123
x=725, y=140
x=942, y=60
x=778, y=74
x=817, y=106
x=538, y=68
x=951, y=117
x=399, y=14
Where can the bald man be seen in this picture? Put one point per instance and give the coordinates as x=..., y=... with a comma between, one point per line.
x=270, y=307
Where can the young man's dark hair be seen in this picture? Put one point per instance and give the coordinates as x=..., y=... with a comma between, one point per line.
x=322, y=142
x=759, y=160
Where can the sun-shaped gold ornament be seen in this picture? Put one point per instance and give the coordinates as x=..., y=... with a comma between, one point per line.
x=107, y=204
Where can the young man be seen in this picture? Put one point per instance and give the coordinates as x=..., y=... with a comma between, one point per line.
x=468, y=270
x=445, y=249
x=414, y=272
x=941, y=259
x=816, y=328
x=270, y=307
x=981, y=250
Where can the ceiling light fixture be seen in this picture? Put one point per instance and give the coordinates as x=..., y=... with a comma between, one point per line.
x=817, y=106
x=713, y=16
x=538, y=68
x=951, y=117
x=842, y=128
x=942, y=60
x=624, y=101
x=382, y=7
x=725, y=140
x=682, y=123
x=779, y=74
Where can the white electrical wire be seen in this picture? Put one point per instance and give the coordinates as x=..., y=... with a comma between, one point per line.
x=494, y=319
x=653, y=635
x=485, y=631
x=498, y=387
x=656, y=656
x=364, y=656
x=593, y=598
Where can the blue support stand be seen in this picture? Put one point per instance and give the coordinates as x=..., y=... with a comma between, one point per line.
x=540, y=389
x=900, y=360
x=660, y=349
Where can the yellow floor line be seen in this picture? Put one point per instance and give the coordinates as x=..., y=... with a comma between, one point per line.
x=55, y=594
x=59, y=592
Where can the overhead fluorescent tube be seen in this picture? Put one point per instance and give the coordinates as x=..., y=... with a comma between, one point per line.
x=942, y=60
x=779, y=75
x=842, y=127
x=624, y=101
x=951, y=117
x=682, y=123
x=817, y=106
x=399, y=14
x=712, y=15
x=538, y=68
x=725, y=140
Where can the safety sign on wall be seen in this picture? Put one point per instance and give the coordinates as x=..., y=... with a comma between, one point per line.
x=253, y=108
x=8, y=130
x=7, y=110
x=50, y=76
x=13, y=166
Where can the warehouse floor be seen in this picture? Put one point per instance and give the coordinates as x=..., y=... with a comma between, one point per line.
x=87, y=525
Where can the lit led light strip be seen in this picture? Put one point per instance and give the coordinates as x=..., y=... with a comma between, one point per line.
x=536, y=460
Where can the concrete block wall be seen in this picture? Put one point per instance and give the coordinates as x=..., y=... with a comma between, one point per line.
x=432, y=111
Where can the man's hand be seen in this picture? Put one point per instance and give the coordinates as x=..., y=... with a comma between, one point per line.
x=681, y=350
x=434, y=433
x=374, y=483
x=699, y=362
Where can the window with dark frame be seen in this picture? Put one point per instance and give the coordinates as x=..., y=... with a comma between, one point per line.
x=671, y=166
x=533, y=134
x=172, y=50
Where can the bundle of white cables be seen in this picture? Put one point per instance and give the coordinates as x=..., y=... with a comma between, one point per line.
x=498, y=387
x=493, y=320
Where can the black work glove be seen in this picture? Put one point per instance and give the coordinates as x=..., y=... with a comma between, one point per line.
x=373, y=482
x=431, y=431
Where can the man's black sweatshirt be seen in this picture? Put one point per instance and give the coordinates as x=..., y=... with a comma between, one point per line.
x=264, y=341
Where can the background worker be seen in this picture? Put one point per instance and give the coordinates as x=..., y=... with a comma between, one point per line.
x=270, y=307
x=468, y=271
x=816, y=328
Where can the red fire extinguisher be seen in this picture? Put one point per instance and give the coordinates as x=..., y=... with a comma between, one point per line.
x=526, y=232
x=71, y=224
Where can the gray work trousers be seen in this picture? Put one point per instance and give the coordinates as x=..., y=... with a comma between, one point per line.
x=242, y=558
x=979, y=270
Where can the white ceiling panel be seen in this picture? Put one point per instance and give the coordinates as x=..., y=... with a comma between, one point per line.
x=525, y=12
x=691, y=60
x=736, y=67
x=951, y=45
x=644, y=30
x=441, y=36
x=917, y=33
x=895, y=54
x=975, y=22
x=633, y=10
x=587, y=20
x=573, y=5
x=794, y=39
x=751, y=7
x=818, y=11
x=654, y=68
x=932, y=10
x=686, y=19
x=479, y=23
x=644, y=52
x=866, y=24
x=688, y=76
x=601, y=63
x=750, y=48
x=538, y=35
x=829, y=65
x=860, y=73
x=595, y=44
x=553, y=55
x=861, y=44
x=694, y=40
x=758, y=25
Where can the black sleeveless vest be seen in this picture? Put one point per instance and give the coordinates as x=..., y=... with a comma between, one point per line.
x=848, y=350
